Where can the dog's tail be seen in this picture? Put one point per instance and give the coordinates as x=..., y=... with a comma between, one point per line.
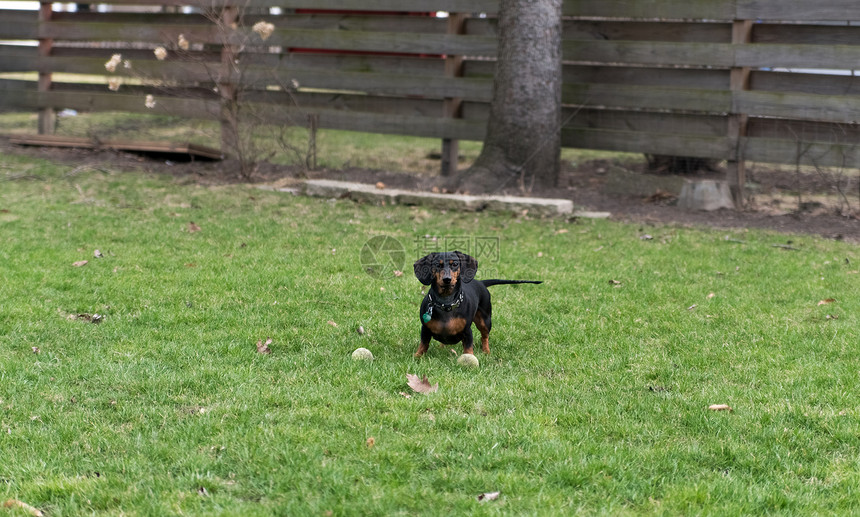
x=495, y=281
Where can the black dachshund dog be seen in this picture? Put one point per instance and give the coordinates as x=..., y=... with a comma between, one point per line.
x=455, y=301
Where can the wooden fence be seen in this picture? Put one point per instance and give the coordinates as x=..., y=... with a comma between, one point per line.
x=760, y=80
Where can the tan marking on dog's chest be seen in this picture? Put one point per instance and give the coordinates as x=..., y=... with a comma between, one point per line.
x=447, y=327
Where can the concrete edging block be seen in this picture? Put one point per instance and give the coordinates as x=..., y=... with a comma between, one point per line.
x=363, y=192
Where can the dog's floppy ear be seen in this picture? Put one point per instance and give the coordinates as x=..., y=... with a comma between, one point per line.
x=468, y=266
x=424, y=269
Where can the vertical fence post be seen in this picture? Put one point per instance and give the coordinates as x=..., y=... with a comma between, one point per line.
x=226, y=87
x=737, y=127
x=47, y=116
x=452, y=107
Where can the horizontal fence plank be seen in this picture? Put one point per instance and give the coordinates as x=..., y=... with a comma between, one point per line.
x=17, y=59
x=647, y=98
x=647, y=31
x=261, y=77
x=91, y=101
x=798, y=106
x=364, y=23
x=649, y=53
x=354, y=41
x=652, y=143
x=310, y=101
x=149, y=18
x=408, y=65
x=429, y=127
x=646, y=122
x=460, y=6
x=803, y=131
x=699, y=78
x=83, y=25
x=665, y=9
x=18, y=24
x=414, y=125
x=712, y=54
x=821, y=84
x=796, y=56
x=137, y=32
x=800, y=153
x=805, y=34
x=831, y=10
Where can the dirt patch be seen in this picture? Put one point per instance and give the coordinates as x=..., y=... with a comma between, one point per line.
x=783, y=200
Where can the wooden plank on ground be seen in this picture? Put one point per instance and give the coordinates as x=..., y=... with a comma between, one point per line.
x=192, y=150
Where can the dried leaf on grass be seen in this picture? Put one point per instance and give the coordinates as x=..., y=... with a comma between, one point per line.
x=192, y=227
x=371, y=441
x=81, y=263
x=420, y=385
x=720, y=407
x=90, y=318
x=827, y=301
x=263, y=348
x=14, y=503
x=660, y=196
x=489, y=496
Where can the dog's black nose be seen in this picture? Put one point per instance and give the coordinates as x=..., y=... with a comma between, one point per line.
x=446, y=280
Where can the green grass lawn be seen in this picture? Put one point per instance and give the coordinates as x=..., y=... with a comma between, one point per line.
x=594, y=401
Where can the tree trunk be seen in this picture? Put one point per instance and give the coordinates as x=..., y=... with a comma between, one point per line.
x=523, y=143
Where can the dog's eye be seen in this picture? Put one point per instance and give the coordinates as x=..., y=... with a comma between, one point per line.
x=454, y=264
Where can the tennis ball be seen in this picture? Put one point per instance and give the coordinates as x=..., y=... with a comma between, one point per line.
x=362, y=354
x=468, y=360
